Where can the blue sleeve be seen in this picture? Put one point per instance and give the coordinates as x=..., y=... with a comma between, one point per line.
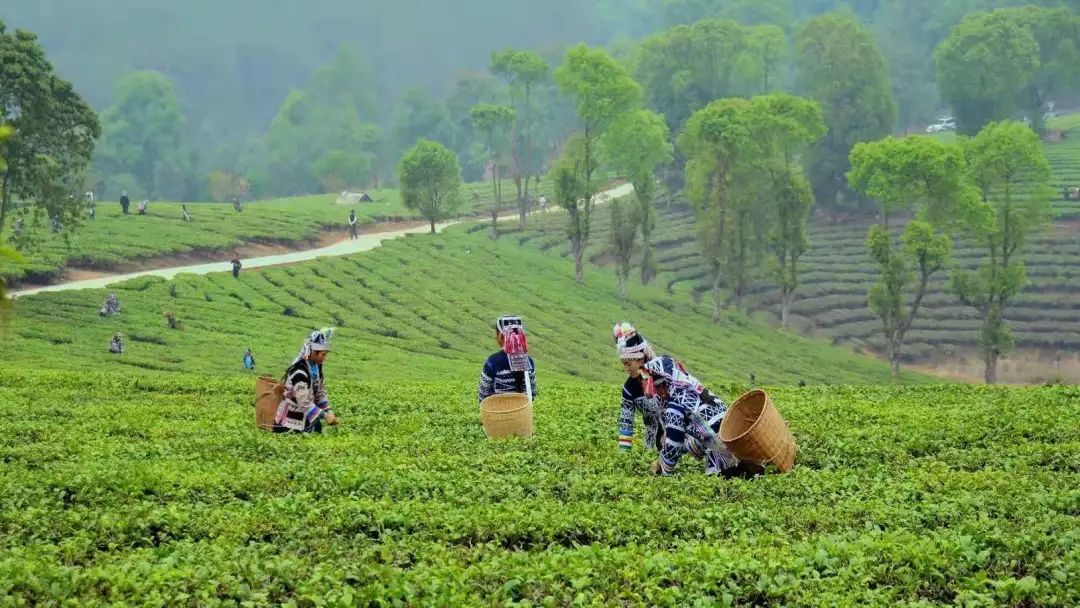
x=487, y=382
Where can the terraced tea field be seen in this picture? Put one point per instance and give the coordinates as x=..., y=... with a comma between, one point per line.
x=831, y=301
x=114, y=238
x=418, y=303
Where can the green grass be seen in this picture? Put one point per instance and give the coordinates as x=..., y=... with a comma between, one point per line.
x=114, y=238
x=122, y=488
x=420, y=303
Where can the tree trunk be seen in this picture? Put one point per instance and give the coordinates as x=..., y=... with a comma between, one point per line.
x=991, y=366
x=495, y=193
x=647, y=264
x=432, y=219
x=5, y=194
x=716, y=297
x=579, y=261
x=785, y=307
x=894, y=355
x=622, y=286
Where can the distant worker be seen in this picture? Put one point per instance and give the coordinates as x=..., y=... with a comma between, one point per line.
x=543, y=204
x=125, y=202
x=753, y=380
x=144, y=206
x=236, y=204
x=511, y=369
x=249, y=360
x=306, y=405
x=187, y=216
x=352, y=224
x=110, y=306
x=634, y=352
x=55, y=223
x=236, y=265
x=90, y=196
x=116, y=346
x=20, y=227
x=92, y=210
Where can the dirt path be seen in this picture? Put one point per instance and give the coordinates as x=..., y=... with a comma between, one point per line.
x=368, y=240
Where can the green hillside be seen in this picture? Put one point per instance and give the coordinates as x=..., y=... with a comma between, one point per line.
x=419, y=306
x=836, y=273
x=114, y=238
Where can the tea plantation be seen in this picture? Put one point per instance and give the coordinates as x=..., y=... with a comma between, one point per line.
x=836, y=273
x=140, y=479
x=114, y=238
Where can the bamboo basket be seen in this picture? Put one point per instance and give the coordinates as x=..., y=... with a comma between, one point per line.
x=268, y=394
x=507, y=415
x=753, y=429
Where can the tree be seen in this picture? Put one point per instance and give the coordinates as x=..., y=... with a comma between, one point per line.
x=688, y=66
x=6, y=252
x=53, y=132
x=717, y=178
x=602, y=90
x=624, y=228
x=635, y=145
x=1057, y=33
x=982, y=67
x=784, y=125
x=430, y=181
x=768, y=45
x=494, y=122
x=841, y=67
x=902, y=174
x=522, y=71
x=571, y=193
x=1007, y=163
x=143, y=132
x=418, y=116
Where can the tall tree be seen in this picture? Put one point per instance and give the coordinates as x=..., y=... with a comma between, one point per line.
x=635, y=145
x=1057, y=33
x=784, y=125
x=841, y=67
x=918, y=173
x=715, y=141
x=54, y=132
x=523, y=71
x=571, y=193
x=602, y=90
x=495, y=122
x=982, y=67
x=688, y=66
x=6, y=252
x=1007, y=163
x=624, y=228
x=768, y=46
x=430, y=181
x=143, y=134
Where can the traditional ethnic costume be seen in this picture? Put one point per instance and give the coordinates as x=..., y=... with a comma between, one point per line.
x=632, y=345
x=498, y=376
x=691, y=418
x=305, y=403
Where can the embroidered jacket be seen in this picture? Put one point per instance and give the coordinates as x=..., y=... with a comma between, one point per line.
x=497, y=377
x=634, y=400
x=304, y=396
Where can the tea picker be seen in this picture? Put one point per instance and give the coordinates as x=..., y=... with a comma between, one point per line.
x=302, y=403
x=507, y=384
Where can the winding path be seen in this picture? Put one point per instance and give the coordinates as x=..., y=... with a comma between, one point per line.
x=365, y=242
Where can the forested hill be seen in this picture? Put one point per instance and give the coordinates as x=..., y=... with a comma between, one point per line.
x=234, y=61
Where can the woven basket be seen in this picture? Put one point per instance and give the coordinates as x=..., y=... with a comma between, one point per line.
x=507, y=415
x=268, y=394
x=753, y=429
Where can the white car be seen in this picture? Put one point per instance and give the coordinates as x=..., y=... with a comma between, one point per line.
x=943, y=124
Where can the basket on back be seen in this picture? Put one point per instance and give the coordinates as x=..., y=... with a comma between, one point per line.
x=507, y=415
x=268, y=394
x=753, y=429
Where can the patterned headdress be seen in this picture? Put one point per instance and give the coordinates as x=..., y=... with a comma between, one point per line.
x=512, y=329
x=630, y=344
x=665, y=370
x=319, y=340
